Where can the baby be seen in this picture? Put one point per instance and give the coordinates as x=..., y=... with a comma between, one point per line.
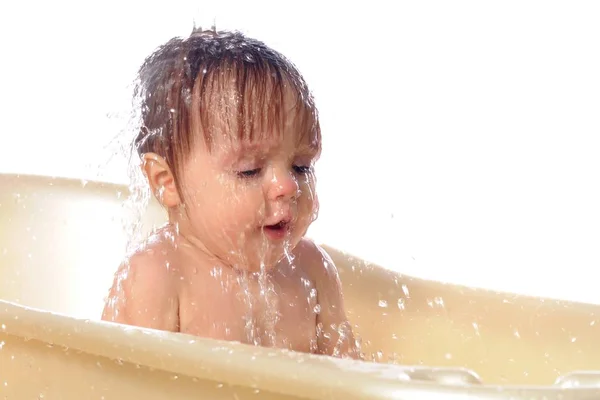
x=228, y=143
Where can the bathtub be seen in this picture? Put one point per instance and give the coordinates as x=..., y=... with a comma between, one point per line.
x=61, y=240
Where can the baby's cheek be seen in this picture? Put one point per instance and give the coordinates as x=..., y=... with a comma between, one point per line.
x=246, y=207
x=307, y=187
x=308, y=193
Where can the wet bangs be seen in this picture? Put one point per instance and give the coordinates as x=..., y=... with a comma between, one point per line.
x=250, y=100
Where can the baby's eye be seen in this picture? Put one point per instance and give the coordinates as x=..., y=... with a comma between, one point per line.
x=248, y=173
x=300, y=169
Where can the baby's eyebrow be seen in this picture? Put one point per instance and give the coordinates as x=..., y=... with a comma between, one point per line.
x=306, y=150
x=264, y=148
x=252, y=147
x=242, y=153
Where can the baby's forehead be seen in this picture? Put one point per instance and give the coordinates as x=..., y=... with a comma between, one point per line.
x=233, y=148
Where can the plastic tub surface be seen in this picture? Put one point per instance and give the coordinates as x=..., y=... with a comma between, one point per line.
x=61, y=241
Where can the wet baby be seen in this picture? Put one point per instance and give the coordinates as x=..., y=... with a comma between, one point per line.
x=228, y=143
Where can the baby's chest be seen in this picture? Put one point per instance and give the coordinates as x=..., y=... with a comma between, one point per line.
x=280, y=314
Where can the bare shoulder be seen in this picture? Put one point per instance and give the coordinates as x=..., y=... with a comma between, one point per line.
x=315, y=261
x=334, y=332
x=144, y=290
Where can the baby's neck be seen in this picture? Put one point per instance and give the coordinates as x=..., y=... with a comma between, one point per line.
x=186, y=241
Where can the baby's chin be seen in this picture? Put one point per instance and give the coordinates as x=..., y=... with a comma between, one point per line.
x=266, y=261
x=259, y=254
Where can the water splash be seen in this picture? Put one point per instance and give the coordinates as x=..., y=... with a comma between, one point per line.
x=287, y=253
x=249, y=323
x=121, y=148
x=270, y=296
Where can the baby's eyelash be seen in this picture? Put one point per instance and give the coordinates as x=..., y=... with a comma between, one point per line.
x=251, y=173
x=301, y=169
x=248, y=173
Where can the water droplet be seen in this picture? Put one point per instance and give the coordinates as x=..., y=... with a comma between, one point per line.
x=401, y=304
x=219, y=385
x=476, y=327
x=448, y=356
x=3, y=326
x=383, y=304
x=516, y=333
x=573, y=339
x=174, y=377
x=405, y=290
x=591, y=323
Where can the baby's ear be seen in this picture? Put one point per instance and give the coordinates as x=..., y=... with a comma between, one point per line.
x=161, y=179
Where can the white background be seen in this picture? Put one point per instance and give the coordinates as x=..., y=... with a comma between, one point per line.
x=461, y=139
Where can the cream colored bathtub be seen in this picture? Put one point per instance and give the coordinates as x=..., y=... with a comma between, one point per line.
x=60, y=241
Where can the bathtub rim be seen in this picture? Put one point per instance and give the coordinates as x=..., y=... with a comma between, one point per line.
x=178, y=354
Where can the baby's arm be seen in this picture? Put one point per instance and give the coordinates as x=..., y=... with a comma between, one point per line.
x=143, y=294
x=334, y=332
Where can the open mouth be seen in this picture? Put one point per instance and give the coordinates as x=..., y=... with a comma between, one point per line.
x=278, y=230
x=280, y=226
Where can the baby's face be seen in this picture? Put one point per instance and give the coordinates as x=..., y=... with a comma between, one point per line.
x=249, y=202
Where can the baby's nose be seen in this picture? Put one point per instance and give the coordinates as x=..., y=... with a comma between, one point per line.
x=283, y=185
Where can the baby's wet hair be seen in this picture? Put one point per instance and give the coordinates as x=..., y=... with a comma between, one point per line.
x=213, y=81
